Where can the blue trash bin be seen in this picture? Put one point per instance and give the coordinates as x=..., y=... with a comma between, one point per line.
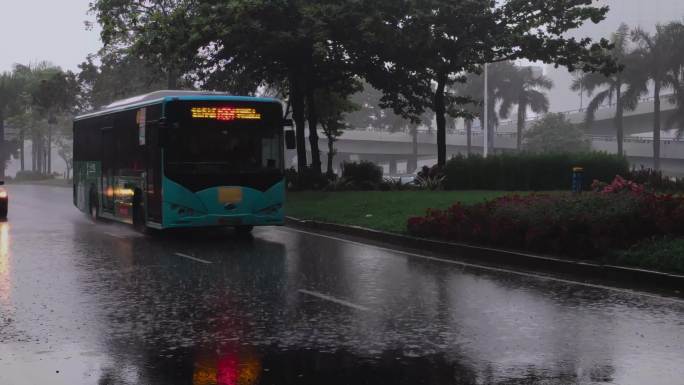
x=577, y=179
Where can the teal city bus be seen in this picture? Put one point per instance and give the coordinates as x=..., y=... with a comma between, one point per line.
x=178, y=159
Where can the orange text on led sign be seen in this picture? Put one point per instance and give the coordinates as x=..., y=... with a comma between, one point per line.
x=225, y=113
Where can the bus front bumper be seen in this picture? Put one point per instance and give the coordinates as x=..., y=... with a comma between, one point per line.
x=225, y=220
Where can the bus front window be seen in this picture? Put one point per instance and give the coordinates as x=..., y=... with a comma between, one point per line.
x=210, y=148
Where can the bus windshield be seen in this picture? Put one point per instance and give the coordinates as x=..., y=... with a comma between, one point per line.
x=223, y=138
x=213, y=147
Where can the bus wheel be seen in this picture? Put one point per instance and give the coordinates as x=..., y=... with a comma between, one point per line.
x=243, y=230
x=94, y=210
x=139, y=220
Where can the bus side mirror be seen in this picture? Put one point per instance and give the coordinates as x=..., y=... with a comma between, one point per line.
x=290, y=140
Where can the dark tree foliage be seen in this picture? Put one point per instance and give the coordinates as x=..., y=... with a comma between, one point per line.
x=11, y=87
x=154, y=30
x=54, y=96
x=265, y=42
x=118, y=76
x=332, y=107
x=415, y=49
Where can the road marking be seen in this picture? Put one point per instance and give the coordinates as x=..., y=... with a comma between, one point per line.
x=193, y=258
x=335, y=300
x=116, y=235
x=497, y=269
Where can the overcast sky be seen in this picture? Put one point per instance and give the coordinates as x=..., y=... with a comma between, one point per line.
x=54, y=30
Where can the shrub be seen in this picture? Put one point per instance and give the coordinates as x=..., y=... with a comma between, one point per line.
x=581, y=225
x=663, y=253
x=655, y=180
x=530, y=172
x=555, y=133
x=308, y=179
x=363, y=175
x=32, y=176
x=430, y=178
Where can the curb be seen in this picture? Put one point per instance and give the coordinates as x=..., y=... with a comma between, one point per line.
x=476, y=254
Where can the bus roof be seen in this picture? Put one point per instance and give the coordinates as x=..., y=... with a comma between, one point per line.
x=169, y=95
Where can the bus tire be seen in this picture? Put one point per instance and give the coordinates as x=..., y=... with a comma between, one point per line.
x=243, y=230
x=94, y=209
x=139, y=217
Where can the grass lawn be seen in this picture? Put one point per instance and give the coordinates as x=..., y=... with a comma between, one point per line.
x=380, y=210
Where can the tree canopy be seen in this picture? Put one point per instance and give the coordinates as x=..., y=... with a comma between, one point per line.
x=554, y=133
x=410, y=50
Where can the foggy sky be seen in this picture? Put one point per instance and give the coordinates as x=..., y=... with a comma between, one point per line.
x=643, y=13
x=53, y=30
x=32, y=30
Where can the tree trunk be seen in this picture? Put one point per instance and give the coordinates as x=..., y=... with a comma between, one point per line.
x=21, y=149
x=522, y=115
x=413, y=162
x=440, y=111
x=49, y=149
x=331, y=154
x=619, y=122
x=45, y=159
x=297, y=100
x=313, y=128
x=656, y=125
x=33, y=154
x=171, y=79
x=469, y=136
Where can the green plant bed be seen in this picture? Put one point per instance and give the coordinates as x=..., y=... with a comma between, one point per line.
x=666, y=254
x=386, y=211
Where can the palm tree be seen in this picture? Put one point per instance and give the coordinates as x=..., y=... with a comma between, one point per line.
x=474, y=89
x=522, y=87
x=466, y=90
x=612, y=86
x=656, y=57
x=677, y=98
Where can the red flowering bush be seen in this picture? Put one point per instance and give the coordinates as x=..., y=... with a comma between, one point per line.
x=617, y=216
x=618, y=185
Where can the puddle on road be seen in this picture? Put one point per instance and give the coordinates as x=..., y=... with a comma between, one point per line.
x=243, y=365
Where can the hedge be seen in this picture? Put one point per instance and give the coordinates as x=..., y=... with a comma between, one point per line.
x=530, y=172
x=588, y=225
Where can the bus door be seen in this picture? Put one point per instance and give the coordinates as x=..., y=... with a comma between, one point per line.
x=108, y=164
x=153, y=173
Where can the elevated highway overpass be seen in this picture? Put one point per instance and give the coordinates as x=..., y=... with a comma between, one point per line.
x=393, y=151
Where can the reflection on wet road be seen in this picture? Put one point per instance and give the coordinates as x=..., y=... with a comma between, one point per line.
x=84, y=303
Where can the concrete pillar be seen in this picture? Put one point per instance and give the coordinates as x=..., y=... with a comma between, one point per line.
x=393, y=167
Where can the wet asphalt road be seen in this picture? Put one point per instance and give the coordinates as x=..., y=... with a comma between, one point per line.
x=84, y=303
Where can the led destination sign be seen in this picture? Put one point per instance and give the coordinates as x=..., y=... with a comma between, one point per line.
x=225, y=114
